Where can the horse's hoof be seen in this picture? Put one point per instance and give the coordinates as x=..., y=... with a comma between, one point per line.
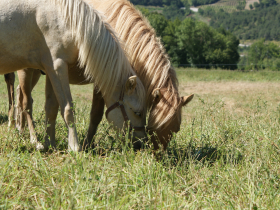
x=75, y=148
x=11, y=124
x=40, y=146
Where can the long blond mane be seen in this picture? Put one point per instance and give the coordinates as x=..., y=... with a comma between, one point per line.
x=148, y=58
x=100, y=51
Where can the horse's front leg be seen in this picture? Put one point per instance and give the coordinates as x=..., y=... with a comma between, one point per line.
x=25, y=81
x=60, y=84
x=96, y=114
x=10, y=81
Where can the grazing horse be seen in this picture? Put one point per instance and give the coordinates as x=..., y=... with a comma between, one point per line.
x=152, y=65
x=53, y=35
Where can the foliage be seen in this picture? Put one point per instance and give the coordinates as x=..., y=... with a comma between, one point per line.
x=172, y=12
x=158, y=21
x=263, y=22
x=157, y=2
x=263, y=55
x=195, y=43
x=203, y=2
x=203, y=45
x=241, y=5
x=173, y=9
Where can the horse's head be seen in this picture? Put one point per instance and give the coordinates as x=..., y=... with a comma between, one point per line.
x=127, y=107
x=165, y=116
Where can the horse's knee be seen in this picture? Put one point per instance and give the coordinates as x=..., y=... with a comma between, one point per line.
x=51, y=112
x=7, y=77
x=68, y=115
x=10, y=78
x=26, y=104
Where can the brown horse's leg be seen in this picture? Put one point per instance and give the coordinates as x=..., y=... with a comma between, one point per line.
x=35, y=78
x=96, y=114
x=35, y=75
x=20, y=119
x=10, y=81
x=51, y=109
x=25, y=81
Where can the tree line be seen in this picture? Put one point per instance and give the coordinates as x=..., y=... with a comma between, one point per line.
x=157, y=2
x=203, y=2
x=195, y=43
x=180, y=3
x=262, y=22
x=261, y=55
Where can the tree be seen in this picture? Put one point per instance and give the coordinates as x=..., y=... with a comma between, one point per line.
x=202, y=45
x=171, y=12
x=158, y=22
x=171, y=43
x=261, y=55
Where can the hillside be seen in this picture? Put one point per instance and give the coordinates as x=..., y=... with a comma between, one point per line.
x=254, y=24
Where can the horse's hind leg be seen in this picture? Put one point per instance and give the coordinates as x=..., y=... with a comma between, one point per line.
x=96, y=114
x=10, y=81
x=60, y=84
x=35, y=75
x=25, y=81
x=20, y=119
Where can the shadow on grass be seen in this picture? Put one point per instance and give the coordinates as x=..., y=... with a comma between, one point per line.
x=3, y=118
x=208, y=155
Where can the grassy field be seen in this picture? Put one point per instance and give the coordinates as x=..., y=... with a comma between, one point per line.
x=226, y=155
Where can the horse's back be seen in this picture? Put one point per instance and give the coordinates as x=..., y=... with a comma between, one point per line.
x=19, y=35
x=29, y=32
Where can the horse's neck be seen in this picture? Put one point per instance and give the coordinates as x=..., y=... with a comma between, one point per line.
x=141, y=61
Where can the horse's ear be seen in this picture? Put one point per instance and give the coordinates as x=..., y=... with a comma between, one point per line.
x=130, y=84
x=187, y=99
x=157, y=94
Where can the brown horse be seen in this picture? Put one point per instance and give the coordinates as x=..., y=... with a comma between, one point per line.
x=152, y=65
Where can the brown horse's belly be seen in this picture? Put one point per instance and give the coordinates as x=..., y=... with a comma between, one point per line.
x=77, y=77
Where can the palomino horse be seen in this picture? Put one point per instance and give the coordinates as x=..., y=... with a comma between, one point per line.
x=53, y=35
x=152, y=65
x=10, y=81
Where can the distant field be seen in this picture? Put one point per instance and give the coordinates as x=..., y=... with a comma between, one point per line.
x=248, y=2
x=226, y=155
x=153, y=8
x=228, y=5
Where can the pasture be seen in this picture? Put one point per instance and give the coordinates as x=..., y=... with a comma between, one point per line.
x=226, y=156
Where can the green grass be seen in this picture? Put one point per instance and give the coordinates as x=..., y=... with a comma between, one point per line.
x=192, y=74
x=224, y=157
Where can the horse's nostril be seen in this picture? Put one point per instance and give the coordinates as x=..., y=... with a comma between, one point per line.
x=137, y=145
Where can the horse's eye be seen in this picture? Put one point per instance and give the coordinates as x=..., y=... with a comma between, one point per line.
x=138, y=114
